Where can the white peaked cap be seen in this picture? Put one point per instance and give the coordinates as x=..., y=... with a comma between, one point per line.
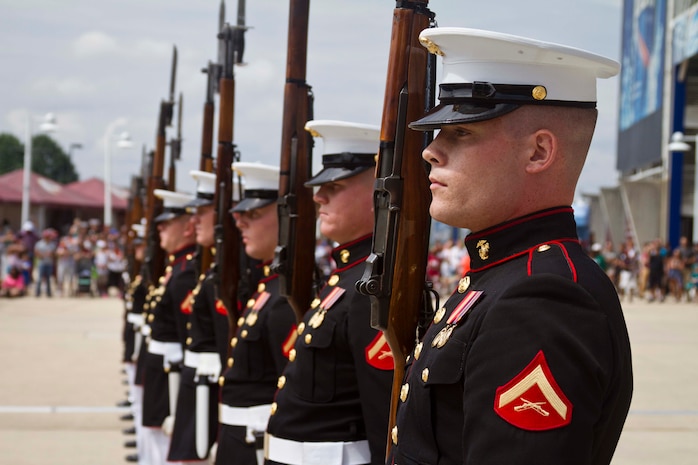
x=174, y=204
x=348, y=149
x=490, y=65
x=261, y=185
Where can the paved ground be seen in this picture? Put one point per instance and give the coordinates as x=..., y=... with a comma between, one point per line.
x=62, y=378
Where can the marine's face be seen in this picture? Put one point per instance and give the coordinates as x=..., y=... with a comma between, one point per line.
x=171, y=232
x=345, y=207
x=475, y=174
x=203, y=224
x=259, y=229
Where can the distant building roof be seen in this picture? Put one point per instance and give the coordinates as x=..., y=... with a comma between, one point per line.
x=44, y=191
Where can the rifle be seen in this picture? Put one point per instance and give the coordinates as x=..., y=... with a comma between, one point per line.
x=227, y=266
x=294, y=258
x=175, y=148
x=155, y=258
x=133, y=216
x=395, y=271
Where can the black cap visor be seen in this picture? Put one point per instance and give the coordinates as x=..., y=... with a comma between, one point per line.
x=459, y=113
x=170, y=214
x=255, y=199
x=334, y=174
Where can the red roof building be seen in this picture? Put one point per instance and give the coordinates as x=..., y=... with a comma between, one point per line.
x=54, y=205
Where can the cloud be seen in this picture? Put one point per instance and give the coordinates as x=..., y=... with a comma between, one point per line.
x=94, y=43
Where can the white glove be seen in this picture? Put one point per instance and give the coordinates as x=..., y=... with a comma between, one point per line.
x=168, y=425
x=212, y=453
x=209, y=366
x=145, y=330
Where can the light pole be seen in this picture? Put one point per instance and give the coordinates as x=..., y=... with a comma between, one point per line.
x=48, y=125
x=123, y=142
x=679, y=144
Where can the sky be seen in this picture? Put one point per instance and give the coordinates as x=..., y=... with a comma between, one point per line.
x=103, y=67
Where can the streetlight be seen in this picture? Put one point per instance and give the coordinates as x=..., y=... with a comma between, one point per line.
x=678, y=144
x=48, y=125
x=123, y=142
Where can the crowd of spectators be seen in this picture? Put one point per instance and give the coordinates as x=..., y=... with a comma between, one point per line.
x=84, y=258
x=653, y=272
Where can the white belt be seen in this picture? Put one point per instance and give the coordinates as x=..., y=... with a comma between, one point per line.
x=170, y=350
x=316, y=453
x=255, y=417
x=135, y=319
x=191, y=359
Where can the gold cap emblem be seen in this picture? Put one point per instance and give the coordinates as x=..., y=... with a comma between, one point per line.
x=539, y=93
x=483, y=249
x=431, y=46
x=344, y=256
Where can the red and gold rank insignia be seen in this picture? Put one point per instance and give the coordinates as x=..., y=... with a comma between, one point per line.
x=220, y=307
x=290, y=341
x=378, y=353
x=186, y=305
x=533, y=400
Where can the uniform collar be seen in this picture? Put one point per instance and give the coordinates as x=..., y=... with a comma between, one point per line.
x=186, y=252
x=513, y=238
x=352, y=252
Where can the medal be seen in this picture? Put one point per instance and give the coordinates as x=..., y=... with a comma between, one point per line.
x=442, y=337
x=317, y=318
x=251, y=318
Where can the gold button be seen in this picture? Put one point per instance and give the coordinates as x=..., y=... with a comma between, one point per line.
x=146, y=306
x=315, y=302
x=170, y=258
x=539, y=93
x=188, y=341
x=261, y=287
x=221, y=381
x=404, y=391
x=393, y=434
x=439, y=315
x=241, y=321
x=308, y=338
x=250, y=303
x=267, y=270
x=292, y=355
x=543, y=248
x=243, y=333
x=202, y=276
x=301, y=328
x=166, y=369
x=151, y=318
x=230, y=362
x=463, y=284
x=233, y=342
x=188, y=324
x=425, y=375
x=189, y=256
x=281, y=382
x=417, y=351
x=334, y=279
x=344, y=256
x=274, y=406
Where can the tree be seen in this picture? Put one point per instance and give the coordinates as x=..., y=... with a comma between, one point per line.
x=11, y=153
x=48, y=158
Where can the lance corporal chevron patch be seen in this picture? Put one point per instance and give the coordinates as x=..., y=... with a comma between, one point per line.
x=533, y=400
x=378, y=353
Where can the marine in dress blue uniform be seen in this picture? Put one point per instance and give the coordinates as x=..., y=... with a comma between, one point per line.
x=169, y=310
x=206, y=338
x=529, y=360
x=333, y=398
x=266, y=329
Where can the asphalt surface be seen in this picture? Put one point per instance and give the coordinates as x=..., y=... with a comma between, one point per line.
x=61, y=380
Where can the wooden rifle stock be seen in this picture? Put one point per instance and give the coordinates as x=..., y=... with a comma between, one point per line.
x=155, y=259
x=204, y=256
x=227, y=270
x=294, y=257
x=396, y=269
